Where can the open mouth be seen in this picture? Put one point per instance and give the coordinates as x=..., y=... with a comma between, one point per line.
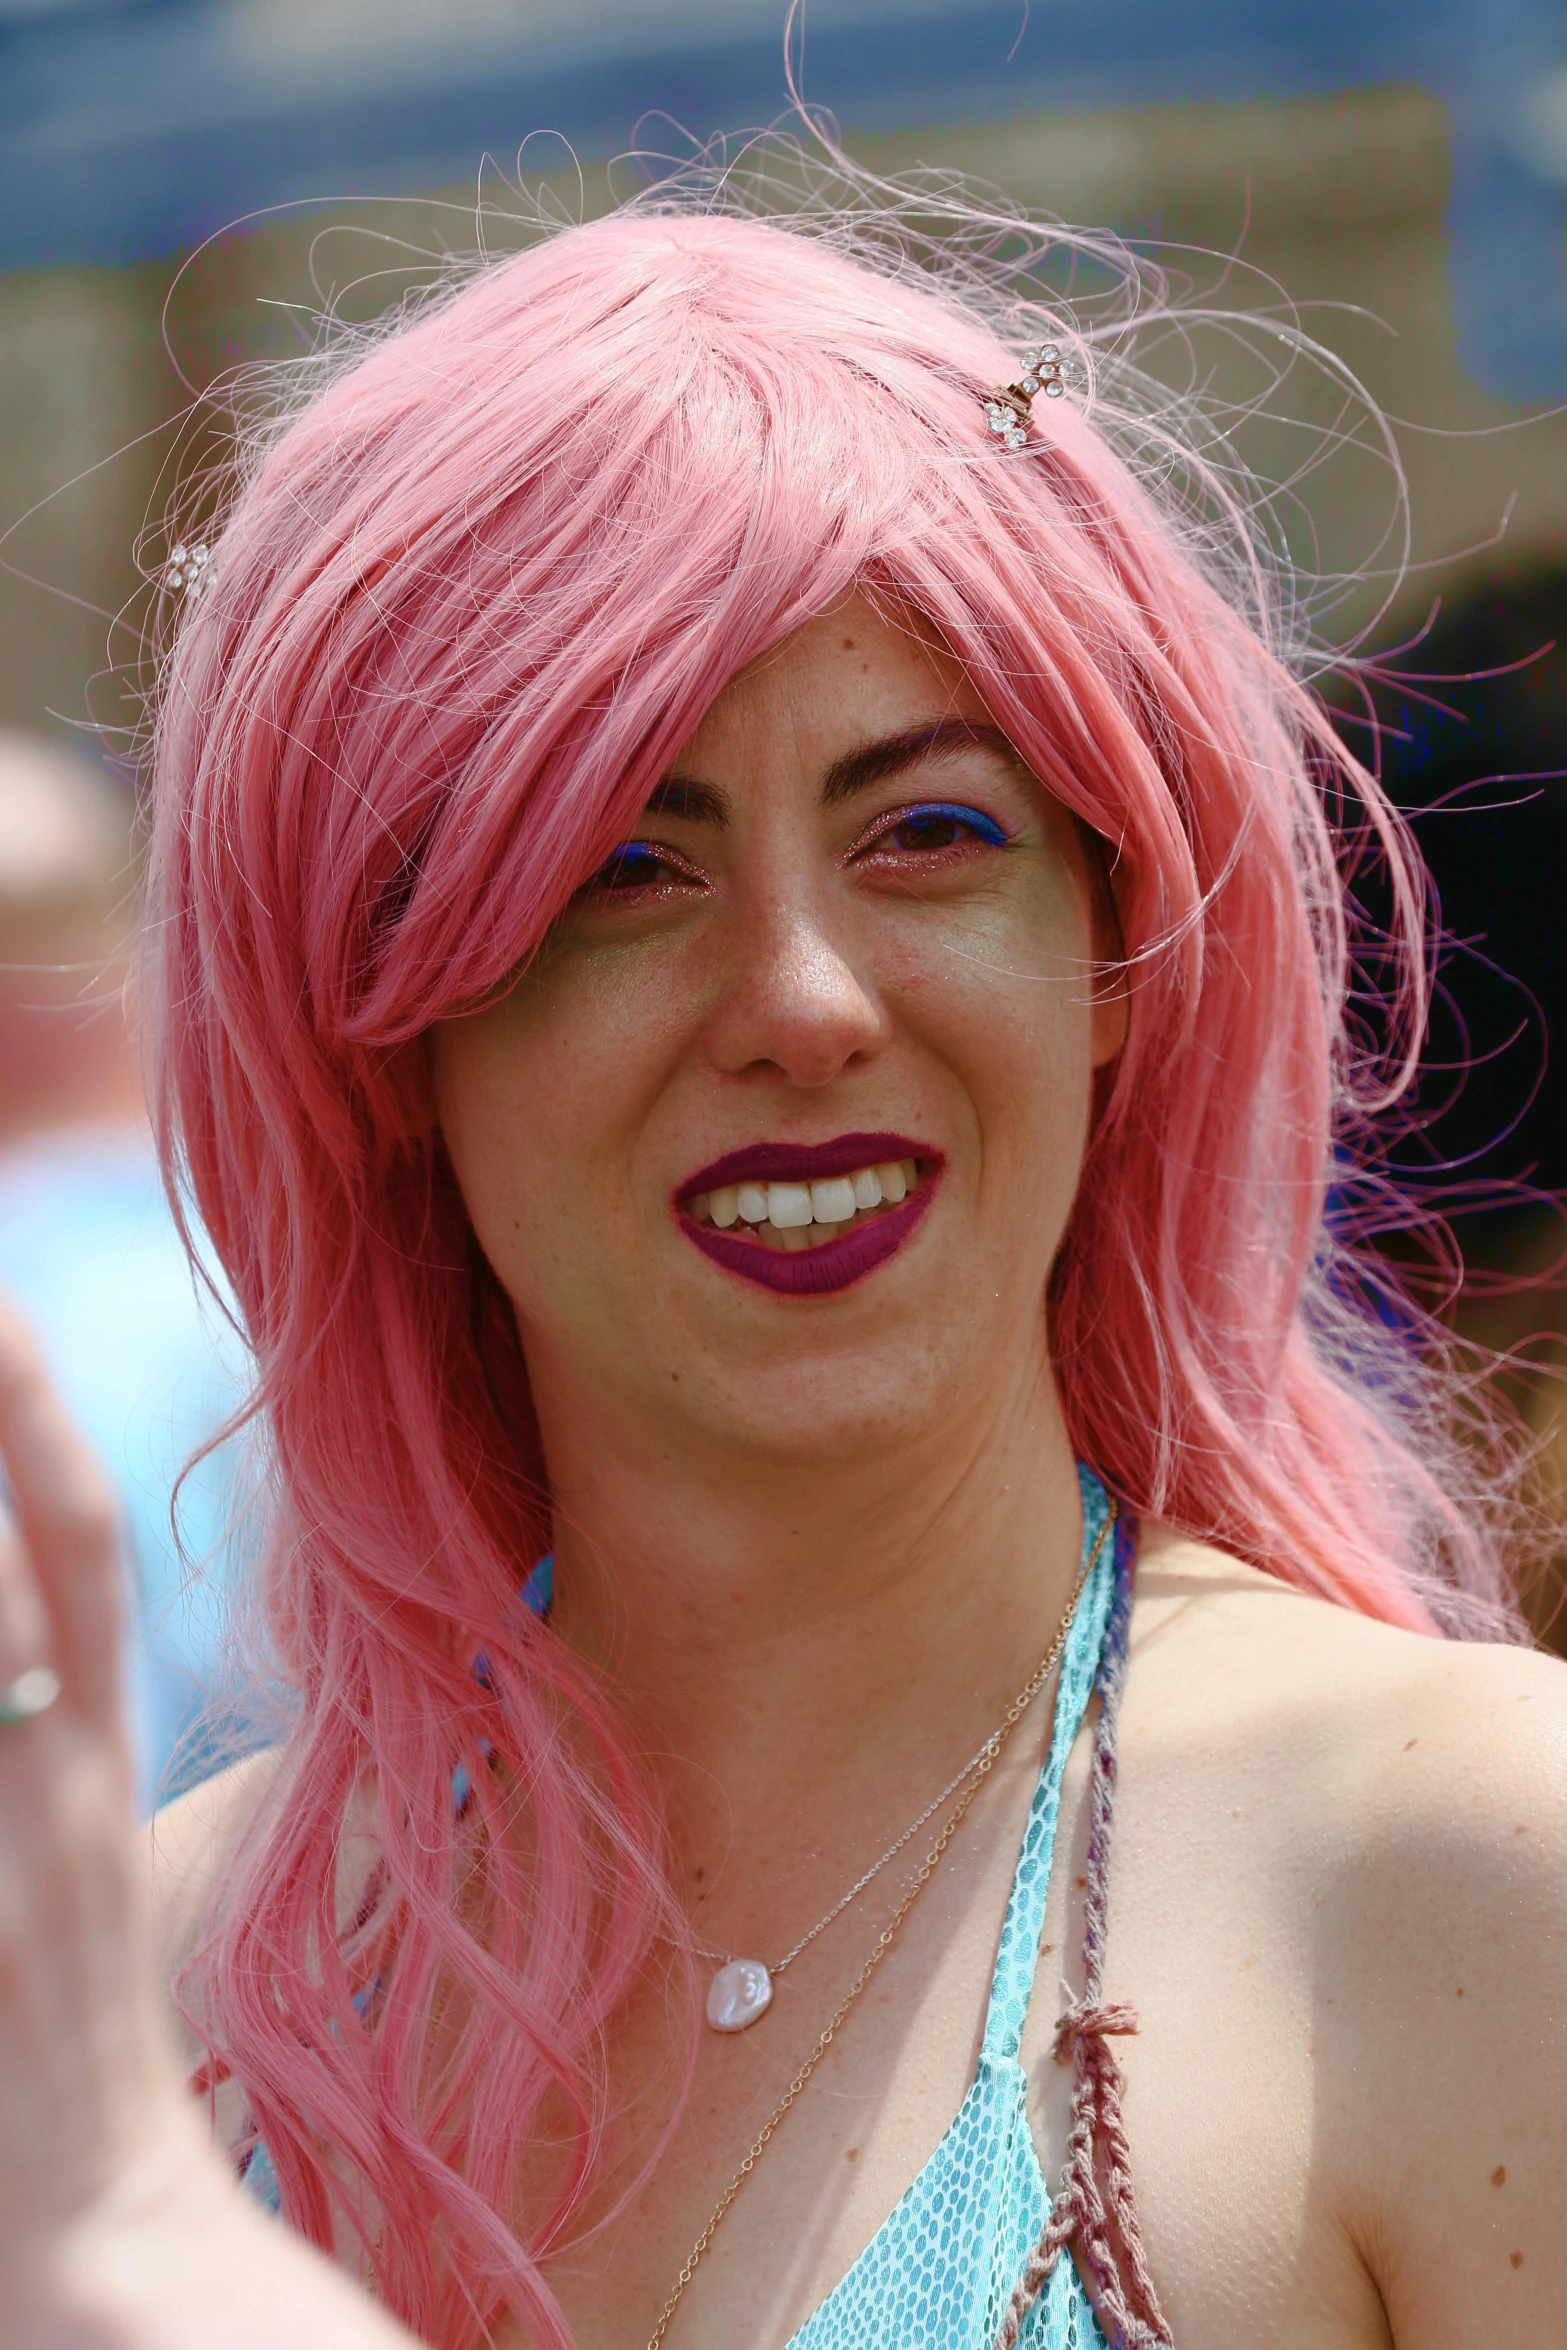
x=805, y=1215
x=808, y=1218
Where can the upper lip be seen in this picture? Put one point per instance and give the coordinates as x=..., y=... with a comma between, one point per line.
x=804, y=1162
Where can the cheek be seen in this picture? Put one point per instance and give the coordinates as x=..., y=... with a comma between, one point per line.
x=485, y=1106
x=540, y=1100
x=1009, y=983
x=511, y=1105
x=1004, y=1001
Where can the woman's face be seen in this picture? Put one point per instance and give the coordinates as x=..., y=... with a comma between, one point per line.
x=775, y=1143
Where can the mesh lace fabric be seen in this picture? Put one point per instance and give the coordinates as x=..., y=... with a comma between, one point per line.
x=940, y=2272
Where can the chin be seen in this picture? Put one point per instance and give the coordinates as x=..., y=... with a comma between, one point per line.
x=842, y=1406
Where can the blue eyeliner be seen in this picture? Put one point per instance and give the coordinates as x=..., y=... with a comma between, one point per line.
x=635, y=864
x=955, y=811
x=630, y=866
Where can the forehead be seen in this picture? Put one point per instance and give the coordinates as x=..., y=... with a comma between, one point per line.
x=849, y=676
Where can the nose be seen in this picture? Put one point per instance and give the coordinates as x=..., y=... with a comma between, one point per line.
x=796, y=1005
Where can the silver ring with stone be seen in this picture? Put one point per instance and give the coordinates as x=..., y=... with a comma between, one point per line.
x=32, y=1693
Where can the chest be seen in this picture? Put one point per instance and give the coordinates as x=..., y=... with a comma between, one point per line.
x=1223, y=2099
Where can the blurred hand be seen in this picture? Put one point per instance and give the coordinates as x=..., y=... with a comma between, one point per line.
x=119, y=2226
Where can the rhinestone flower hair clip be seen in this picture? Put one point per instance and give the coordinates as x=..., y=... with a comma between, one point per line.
x=186, y=570
x=1010, y=407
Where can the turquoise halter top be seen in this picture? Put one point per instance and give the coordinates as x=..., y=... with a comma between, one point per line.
x=940, y=2271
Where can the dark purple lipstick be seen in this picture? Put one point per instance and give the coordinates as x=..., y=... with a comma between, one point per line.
x=800, y=1162
x=831, y=1264
x=815, y=1272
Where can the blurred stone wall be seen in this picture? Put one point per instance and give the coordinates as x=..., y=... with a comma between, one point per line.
x=82, y=378
x=1342, y=202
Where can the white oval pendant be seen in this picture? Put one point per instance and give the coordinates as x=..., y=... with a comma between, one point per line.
x=738, y=1994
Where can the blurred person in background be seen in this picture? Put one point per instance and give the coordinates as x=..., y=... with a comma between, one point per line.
x=88, y=1247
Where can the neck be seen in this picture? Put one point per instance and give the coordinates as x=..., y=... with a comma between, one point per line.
x=803, y=1635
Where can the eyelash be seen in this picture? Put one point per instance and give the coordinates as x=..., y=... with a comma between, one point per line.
x=616, y=876
x=985, y=831
x=619, y=872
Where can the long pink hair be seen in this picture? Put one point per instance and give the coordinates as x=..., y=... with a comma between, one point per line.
x=469, y=599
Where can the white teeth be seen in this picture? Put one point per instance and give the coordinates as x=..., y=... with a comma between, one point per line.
x=833, y=1200
x=788, y=1205
x=803, y=1215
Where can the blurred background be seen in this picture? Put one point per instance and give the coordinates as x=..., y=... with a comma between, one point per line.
x=184, y=182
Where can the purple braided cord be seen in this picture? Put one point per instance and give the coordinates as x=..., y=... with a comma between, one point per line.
x=1095, y=2209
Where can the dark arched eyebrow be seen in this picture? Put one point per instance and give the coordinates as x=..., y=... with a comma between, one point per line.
x=698, y=803
x=856, y=771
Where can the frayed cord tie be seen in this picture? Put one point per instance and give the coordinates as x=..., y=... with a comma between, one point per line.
x=1094, y=2210
x=1093, y=2207
x=1084, y=2027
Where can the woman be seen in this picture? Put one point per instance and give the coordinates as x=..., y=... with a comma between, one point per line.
x=754, y=967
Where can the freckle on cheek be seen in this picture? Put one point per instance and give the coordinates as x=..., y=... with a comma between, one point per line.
x=1515, y=2259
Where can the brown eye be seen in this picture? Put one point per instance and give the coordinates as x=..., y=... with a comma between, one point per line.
x=940, y=824
x=634, y=865
x=926, y=832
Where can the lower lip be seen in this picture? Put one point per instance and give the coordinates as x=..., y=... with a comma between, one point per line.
x=816, y=1272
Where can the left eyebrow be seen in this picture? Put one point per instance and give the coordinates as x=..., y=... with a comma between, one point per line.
x=894, y=754
x=698, y=803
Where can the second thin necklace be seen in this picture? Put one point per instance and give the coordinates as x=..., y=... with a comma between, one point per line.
x=741, y=1992
x=976, y=1775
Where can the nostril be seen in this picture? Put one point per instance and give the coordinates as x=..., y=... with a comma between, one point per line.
x=801, y=1011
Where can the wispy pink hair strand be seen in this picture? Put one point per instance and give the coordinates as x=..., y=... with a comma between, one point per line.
x=467, y=603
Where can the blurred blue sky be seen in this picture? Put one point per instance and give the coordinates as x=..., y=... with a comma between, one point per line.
x=131, y=127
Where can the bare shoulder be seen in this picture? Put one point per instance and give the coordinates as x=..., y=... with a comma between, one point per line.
x=1485, y=1719
x=189, y=1843
x=1437, y=1761
x=1401, y=1806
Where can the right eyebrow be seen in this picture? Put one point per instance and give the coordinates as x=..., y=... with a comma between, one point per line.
x=856, y=771
x=698, y=803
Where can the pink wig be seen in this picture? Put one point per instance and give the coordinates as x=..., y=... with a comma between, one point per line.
x=469, y=600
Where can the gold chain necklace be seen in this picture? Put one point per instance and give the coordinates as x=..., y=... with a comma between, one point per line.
x=742, y=1990
x=921, y=1878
